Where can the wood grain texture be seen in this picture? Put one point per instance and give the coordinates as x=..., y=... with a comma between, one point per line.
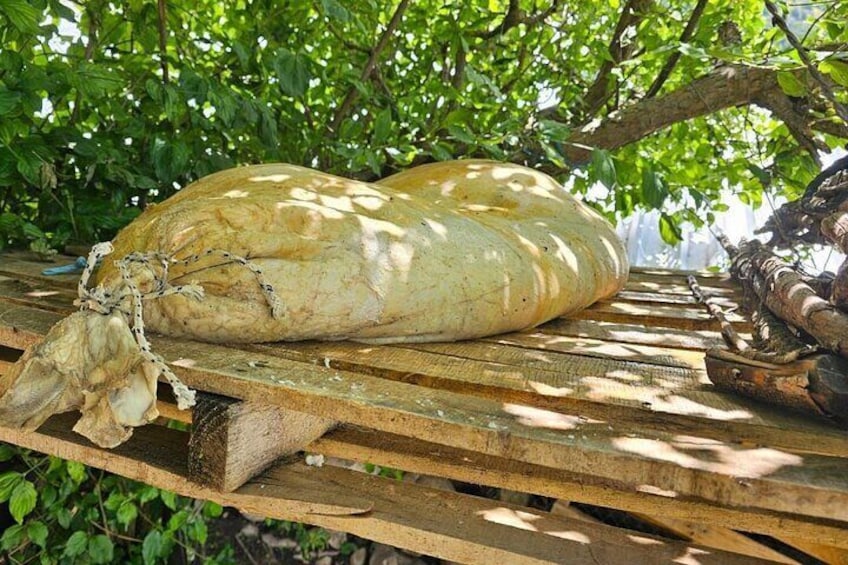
x=720, y=538
x=232, y=441
x=716, y=470
x=417, y=456
x=443, y=524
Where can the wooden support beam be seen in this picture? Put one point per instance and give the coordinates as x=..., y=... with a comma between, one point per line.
x=717, y=537
x=232, y=441
x=446, y=525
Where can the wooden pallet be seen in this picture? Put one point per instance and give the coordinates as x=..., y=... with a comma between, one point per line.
x=611, y=407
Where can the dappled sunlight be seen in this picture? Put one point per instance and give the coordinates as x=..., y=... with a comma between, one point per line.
x=184, y=362
x=657, y=491
x=534, y=523
x=279, y=177
x=710, y=455
x=42, y=293
x=654, y=397
x=235, y=194
x=641, y=540
x=571, y=535
x=508, y=517
x=539, y=418
x=691, y=556
x=548, y=390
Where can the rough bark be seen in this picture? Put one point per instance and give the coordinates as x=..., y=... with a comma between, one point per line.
x=725, y=87
x=783, y=291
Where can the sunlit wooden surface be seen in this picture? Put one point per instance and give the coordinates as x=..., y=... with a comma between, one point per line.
x=611, y=407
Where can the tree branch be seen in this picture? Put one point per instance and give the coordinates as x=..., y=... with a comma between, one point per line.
x=163, y=40
x=687, y=34
x=370, y=65
x=726, y=87
x=597, y=95
x=778, y=20
x=516, y=16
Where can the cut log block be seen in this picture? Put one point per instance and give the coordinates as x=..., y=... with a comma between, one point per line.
x=232, y=441
x=817, y=384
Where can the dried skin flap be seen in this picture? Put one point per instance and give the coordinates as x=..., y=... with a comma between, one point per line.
x=89, y=362
x=274, y=252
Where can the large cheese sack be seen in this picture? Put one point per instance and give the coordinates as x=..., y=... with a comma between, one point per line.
x=278, y=252
x=444, y=251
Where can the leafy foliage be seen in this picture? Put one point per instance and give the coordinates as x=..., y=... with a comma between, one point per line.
x=66, y=512
x=104, y=106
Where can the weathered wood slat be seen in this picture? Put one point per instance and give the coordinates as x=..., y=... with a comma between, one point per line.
x=233, y=441
x=720, y=538
x=684, y=318
x=417, y=456
x=443, y=524
x=557, y=385
x=607, y=393
x=729, y=474
x=699, y=340
x=539, y=341
x=641, y=296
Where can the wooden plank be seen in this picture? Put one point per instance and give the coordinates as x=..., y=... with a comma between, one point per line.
x=233, y=441
x=680, y=288
x=463, y=378
x=717, y=537
x=17, y=265
x=590, y=387
x=443, y=524
x=672, y=276
x=537, y=340
x=699, y=340
x=413, y=455
x=653, y=297
x=735, y=475
x=704, y=534
x=679, y=317
x=826, y=553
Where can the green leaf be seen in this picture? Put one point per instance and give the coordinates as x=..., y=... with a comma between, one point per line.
x=460, y=134
x=177, y=520
x=10, y=479
x=64, y=517
x=669, y=231
x=838, y=70
x=22, y=501
x=22, y=15
x=95, y=80
x=100, y=549
x=654, y=189
x=169, y=499
x=151, y=548
x=170, y=159
x=382, y=126
x=126, y=513
x=12, y=537
x=603, y=167
x=76, y=544
x=292, y=71
x=37, y=533
x=212, y=509
x=9, y=101
x=6, y=452
x=198, y=531
x=335, y=10
x=147, y=494
x=791, y=84
x=242, y=54
x=76, y=471
x=554, y=130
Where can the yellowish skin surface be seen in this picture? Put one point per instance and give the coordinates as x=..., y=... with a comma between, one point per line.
x=445, y=251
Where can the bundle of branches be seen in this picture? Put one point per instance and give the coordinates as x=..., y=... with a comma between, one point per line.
x=799, y=355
